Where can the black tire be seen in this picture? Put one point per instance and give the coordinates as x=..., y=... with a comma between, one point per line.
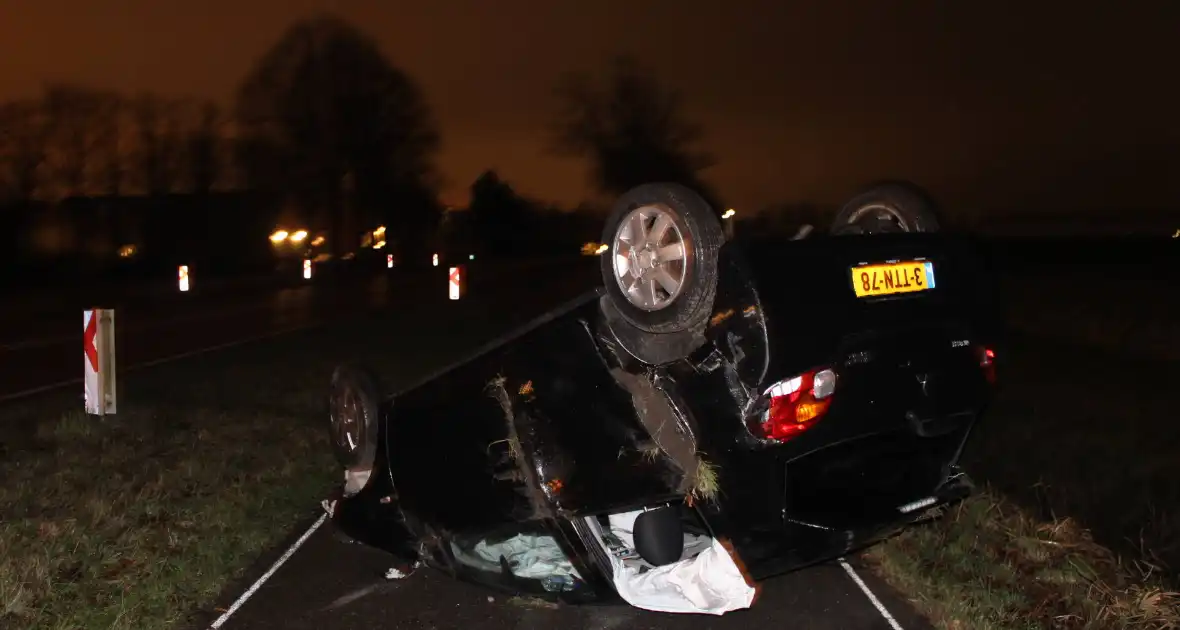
x=354, y=393
x=887, y=207
x=701, y=233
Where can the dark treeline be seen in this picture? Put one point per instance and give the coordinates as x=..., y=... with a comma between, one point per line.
x=325, y=135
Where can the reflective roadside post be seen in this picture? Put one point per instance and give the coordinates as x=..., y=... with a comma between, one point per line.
x=98, y=356
x=307, y=269
x=182, y=278
x=389, y=261
x=457, y=282
x=434, y=259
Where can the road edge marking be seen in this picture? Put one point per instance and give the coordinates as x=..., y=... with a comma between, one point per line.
x=5, y=398
x=269, y=572
x=864, y=588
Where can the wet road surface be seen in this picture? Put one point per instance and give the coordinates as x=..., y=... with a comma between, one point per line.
x=328, y=584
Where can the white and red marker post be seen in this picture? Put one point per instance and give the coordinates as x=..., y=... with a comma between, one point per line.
x=457, y=282
x=98, y=354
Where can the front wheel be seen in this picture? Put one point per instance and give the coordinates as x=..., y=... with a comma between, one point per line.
x=352, y=423
x=661, y=269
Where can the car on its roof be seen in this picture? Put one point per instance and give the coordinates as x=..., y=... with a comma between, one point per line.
x=715, y=413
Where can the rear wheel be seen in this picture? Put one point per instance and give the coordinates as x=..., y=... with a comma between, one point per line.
x=661, y=269
x=887, y=208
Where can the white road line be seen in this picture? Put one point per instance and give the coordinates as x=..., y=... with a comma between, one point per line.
x=864, y=588
x=269, y=572
x=176, y=357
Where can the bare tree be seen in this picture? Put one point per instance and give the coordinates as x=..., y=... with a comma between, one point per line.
x=501, y=219
x=631, y=128
x=72, y=111
x=109, y=162
x=24, y=139
x=326, y=120
x=204, y=140
x=159, y=144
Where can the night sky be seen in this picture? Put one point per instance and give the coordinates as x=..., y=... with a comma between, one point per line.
x=989, y=104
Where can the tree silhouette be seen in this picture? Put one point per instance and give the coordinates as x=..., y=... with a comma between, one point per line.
x=159, y=143
x=72, y=112
x=107, y=163
x=24, y=139
x=326, y=121
x=500, y=218
x=631, y=128
x=203, y=154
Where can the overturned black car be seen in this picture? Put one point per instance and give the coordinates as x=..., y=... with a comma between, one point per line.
x=707, y=418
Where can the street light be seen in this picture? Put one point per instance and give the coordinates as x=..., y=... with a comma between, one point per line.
x=728, y=214
x=298, y=236
x=278, y=236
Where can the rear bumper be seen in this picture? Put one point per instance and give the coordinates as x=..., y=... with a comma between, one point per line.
x=799, y=544
x=783, y=512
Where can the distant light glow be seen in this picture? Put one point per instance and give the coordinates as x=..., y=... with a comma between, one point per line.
x=298, y=236
x=317, y=241
x=471, y=257
x=127, y=251
x=278, y=236
x=728, y=213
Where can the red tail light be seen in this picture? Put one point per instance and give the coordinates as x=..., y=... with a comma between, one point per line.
x=797, y=403
x=987, y=361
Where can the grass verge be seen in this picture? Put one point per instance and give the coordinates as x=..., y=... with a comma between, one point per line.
x=134, y=521
x=988, y=564
x=1081, y=427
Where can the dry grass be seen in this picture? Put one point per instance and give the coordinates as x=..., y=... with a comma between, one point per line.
x=1079, y=525
x=989, y=564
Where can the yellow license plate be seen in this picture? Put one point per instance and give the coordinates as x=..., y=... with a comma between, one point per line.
x=893, y=278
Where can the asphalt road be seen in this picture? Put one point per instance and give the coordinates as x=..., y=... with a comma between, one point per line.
x=332, y=585
x=41, y=346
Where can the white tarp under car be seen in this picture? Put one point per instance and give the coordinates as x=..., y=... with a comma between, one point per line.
x=705, y=580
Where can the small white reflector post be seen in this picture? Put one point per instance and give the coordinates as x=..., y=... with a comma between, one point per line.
x=182, y=277
x=434, y=259
x=457, y=282
x=98, y=355
x=307, y=269
x=389, y=261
